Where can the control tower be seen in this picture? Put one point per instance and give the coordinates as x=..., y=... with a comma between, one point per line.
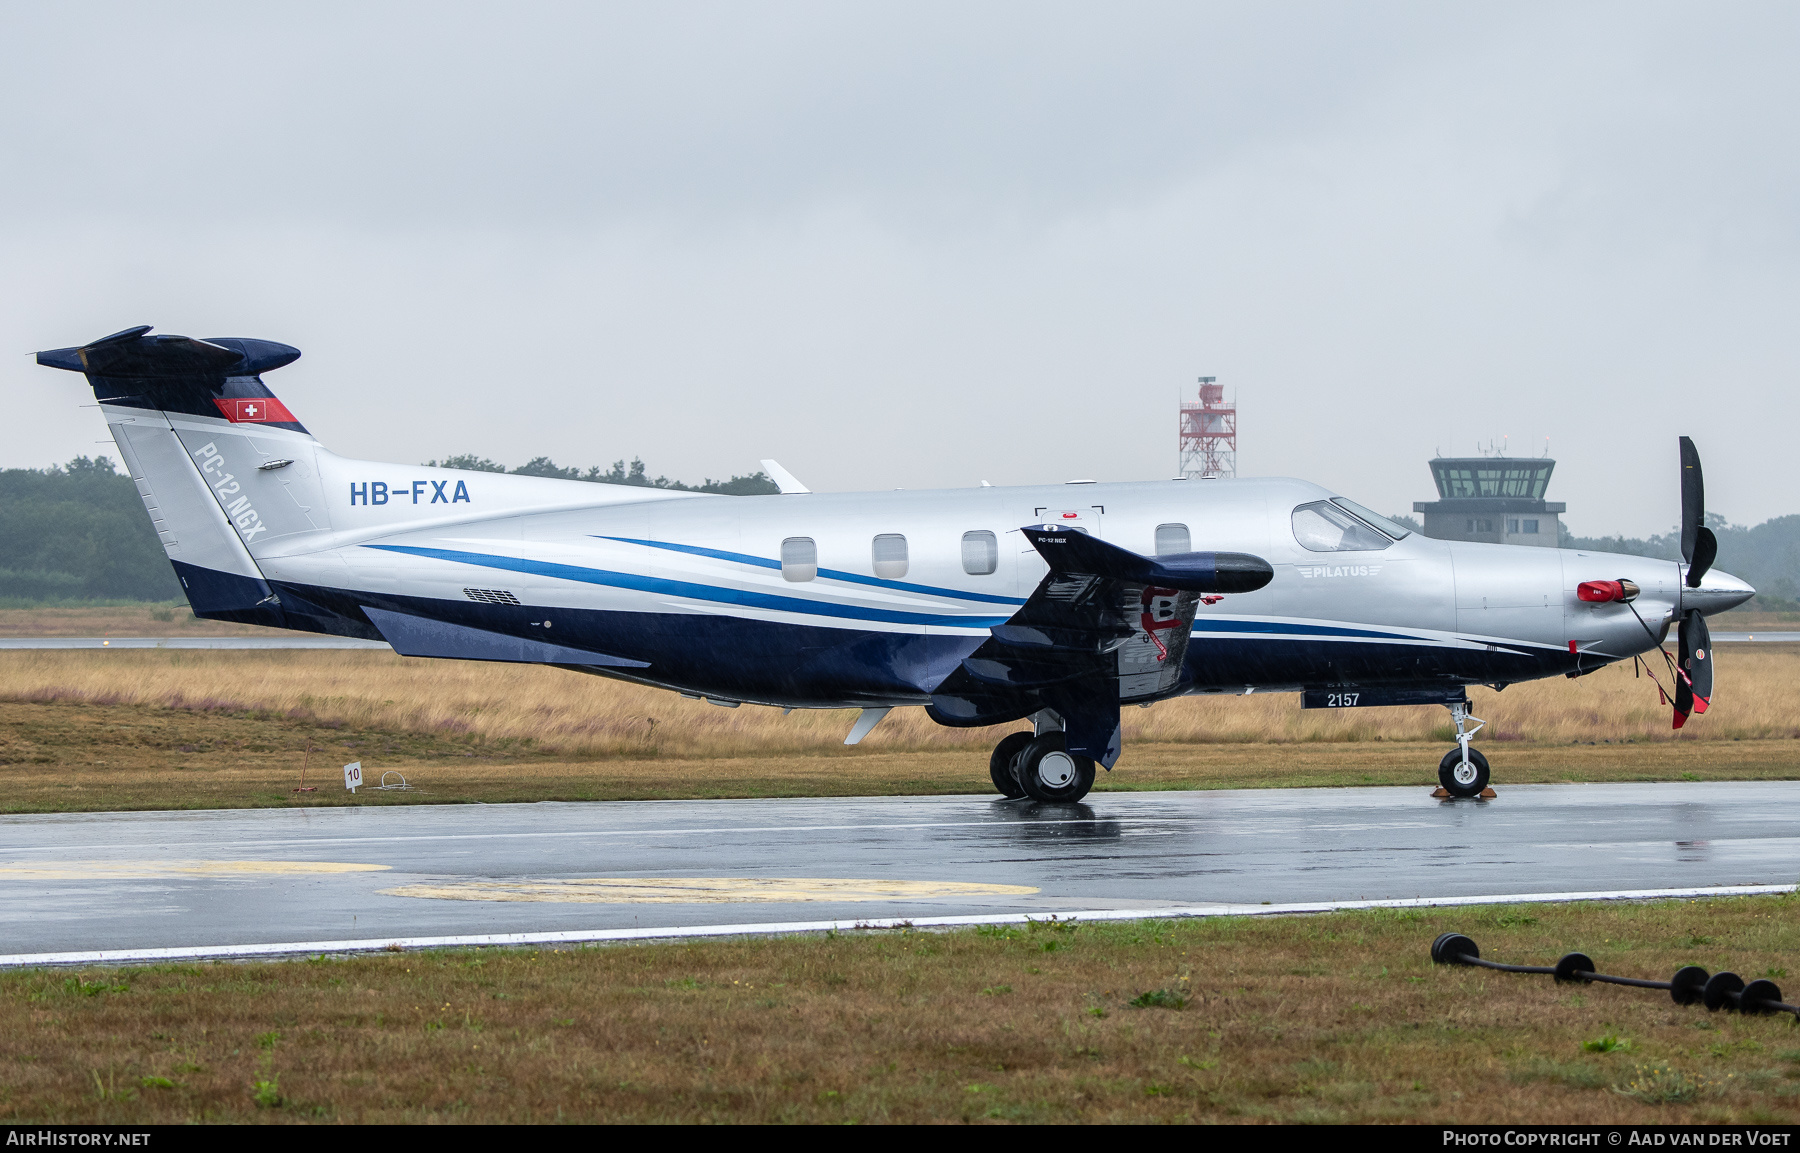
x=1208, y=433
x=1492, y=498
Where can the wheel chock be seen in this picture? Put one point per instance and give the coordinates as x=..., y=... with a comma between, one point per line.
x=1487, y=794
x=1440, y=792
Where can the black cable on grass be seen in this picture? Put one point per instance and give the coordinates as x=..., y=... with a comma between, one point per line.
x=1689, y=985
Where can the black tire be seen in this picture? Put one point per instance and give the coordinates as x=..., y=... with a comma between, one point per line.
x=1050, y=773
x=1447, y=773
x=1000, y=764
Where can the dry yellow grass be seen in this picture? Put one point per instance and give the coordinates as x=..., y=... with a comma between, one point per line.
x=1337, y=1018
x=67, y=756
x=132, y=620
x=1756, y=622
x=1758, y=697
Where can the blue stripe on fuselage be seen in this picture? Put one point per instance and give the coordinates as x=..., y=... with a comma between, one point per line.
x=691, y=590
x=834, y=574
x=1203, y=625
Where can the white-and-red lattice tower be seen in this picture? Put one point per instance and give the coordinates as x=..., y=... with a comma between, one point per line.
x=1209, y=432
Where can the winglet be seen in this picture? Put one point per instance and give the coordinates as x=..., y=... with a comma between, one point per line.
x=784, y=480
x=1065, y=550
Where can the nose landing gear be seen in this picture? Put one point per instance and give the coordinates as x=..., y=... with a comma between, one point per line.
x=1464, y=771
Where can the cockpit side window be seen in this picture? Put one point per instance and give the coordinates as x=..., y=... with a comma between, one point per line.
x=1324, y=527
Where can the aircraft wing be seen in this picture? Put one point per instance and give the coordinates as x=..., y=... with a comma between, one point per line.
x=1105, y=625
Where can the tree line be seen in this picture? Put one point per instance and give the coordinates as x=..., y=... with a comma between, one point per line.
x=756, y=484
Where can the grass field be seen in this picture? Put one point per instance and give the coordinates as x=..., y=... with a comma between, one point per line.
x=126, y=620
x=1325, y=1018
x=68, y=757
x=177, y=729
x=1758, y=697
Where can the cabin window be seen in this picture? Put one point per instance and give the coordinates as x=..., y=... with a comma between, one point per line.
x=889, y=554
x=799, y=558
x=1172, y=539
x=981, y=553
x=1324, y=527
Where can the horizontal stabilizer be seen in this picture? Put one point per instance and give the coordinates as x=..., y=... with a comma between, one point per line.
x=422, y=637
x=183, y=374
x=135, y=354
x=1066, y=550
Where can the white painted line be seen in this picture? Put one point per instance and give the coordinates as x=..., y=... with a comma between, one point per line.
x=585, y=936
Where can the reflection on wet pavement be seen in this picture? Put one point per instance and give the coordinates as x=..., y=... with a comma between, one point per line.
x=83, y=881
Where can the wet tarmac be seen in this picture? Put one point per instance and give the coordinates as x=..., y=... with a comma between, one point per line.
x=207, y=881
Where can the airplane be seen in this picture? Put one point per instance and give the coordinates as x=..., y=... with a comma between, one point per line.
x=1053, y=604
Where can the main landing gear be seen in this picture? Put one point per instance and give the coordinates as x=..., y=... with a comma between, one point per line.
x=1464, y=771
x=1040, y=766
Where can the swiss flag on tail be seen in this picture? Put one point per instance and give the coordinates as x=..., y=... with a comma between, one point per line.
x=254, y=410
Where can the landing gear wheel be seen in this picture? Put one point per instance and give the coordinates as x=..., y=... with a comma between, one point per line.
x=1048, y=772
x=1460, y=780
x=1000, y=764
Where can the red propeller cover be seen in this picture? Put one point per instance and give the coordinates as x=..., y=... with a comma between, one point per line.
x=1599, y=592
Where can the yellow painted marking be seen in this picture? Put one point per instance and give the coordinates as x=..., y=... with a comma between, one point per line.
x=702, y=890
x=149, y=870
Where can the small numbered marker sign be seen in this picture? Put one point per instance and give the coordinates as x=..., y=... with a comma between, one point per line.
x=353, y=775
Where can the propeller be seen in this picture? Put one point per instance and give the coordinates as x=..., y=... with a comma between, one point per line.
x=1699, y=547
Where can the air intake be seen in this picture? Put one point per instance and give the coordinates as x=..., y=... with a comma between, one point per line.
x=491, y=596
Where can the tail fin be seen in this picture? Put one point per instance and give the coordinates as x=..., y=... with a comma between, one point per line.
x=222, y=465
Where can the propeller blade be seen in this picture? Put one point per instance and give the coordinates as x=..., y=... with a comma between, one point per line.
x=1698, y=545
x=1695, y=641
x=1693, y=496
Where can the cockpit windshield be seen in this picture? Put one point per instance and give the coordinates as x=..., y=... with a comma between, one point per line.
x=1324, y=527
x=1392, y=528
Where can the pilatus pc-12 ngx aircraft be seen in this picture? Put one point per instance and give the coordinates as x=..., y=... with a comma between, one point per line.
x=1057, y=604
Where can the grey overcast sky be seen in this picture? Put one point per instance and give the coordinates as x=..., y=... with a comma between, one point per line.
x=920, y=244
